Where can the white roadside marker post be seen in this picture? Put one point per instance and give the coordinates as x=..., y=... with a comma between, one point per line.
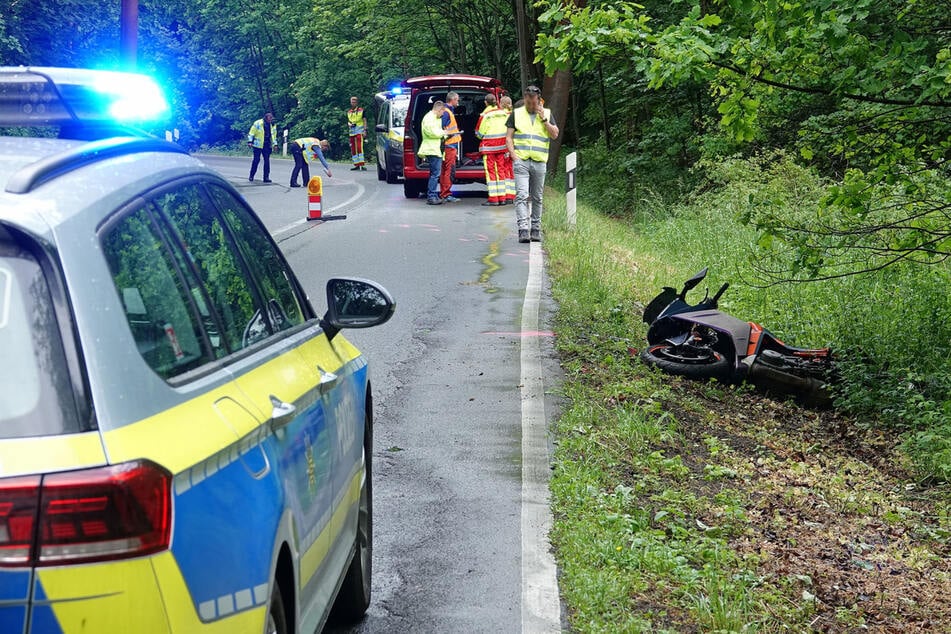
x=571, y=163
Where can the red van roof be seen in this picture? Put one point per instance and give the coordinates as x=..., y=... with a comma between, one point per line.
x=433, y=81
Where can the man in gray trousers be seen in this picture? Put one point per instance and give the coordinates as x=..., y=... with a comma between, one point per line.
x=529, y=130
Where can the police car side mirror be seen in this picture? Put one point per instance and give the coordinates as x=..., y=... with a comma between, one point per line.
x=380, y=127
x=355, y=303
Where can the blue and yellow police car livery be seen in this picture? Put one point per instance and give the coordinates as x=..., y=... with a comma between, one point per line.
x=391, y=107
x=185, y=445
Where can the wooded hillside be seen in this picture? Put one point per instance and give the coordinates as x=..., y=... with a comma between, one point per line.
x=835, y=117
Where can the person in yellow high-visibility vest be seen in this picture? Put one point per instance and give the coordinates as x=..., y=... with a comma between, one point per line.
x=305, y=150
x=505, y=103
x=452, y=146
x=261, y=141
x=356, y=129
x=491, y=132
x=490, y=104
x=431, y=150
x=529, y=130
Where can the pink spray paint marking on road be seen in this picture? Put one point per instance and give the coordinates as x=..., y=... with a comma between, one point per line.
x=526, y=333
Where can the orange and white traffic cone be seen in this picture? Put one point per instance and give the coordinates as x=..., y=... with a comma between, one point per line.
x=315, y=190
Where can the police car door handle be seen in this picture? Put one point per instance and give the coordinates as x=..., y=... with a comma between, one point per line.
x=328, y=380
x=281, y=413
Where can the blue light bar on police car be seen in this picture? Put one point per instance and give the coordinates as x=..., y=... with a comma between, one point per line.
x=31, y=96
x=131, y=97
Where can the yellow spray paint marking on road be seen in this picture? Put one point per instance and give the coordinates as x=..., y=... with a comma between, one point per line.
x=491, y=266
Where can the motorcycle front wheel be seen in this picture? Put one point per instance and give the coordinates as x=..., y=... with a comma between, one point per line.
x=694, y=363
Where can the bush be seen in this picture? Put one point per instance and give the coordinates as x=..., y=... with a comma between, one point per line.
x=625, y=185
x=890, y=329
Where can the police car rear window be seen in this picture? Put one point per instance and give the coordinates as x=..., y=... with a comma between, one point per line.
x=36, y=396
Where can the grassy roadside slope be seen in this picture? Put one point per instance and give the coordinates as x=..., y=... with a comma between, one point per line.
x=682, y=506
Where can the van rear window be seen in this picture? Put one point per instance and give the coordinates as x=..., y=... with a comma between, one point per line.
x=36, y=395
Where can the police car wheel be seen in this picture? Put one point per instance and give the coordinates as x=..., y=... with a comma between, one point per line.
x=354, y=597
x=276, y=619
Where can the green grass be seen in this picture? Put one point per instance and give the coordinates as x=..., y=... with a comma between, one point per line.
x=616, y=449
x=891, y=329
x=664, y=491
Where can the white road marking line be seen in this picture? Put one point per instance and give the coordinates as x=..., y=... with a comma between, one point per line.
x=541, y=608
x=360, y=190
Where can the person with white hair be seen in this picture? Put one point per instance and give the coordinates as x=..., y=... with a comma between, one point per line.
x=304, y=150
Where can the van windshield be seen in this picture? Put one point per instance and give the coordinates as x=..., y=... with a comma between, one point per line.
x=36, y=395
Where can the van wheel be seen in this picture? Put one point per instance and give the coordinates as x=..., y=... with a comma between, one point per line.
x=392, y=177
x=413, y=188
x=276, y=619
x=380, y=172
x=354, y=597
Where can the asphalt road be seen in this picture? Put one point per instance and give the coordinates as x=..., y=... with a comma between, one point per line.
x=446, y=373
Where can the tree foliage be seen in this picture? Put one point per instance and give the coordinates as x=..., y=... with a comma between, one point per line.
x=860, y=90
x=226, y=62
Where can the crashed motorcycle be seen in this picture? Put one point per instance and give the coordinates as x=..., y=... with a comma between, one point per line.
x=699, y=341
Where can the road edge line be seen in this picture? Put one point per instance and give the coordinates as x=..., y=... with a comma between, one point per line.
x=541, y=607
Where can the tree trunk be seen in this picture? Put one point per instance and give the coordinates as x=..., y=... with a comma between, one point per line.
x=525, y=47
x=557, y=94
x=575, y=107
x=463, y=58
x=604, y=110
x=128, y=33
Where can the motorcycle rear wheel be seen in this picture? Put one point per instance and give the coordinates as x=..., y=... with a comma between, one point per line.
x=704, y=364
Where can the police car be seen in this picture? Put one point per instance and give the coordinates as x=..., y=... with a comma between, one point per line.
x=185, y=445
x=392, y=106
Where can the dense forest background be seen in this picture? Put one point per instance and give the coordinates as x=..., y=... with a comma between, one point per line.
x=859, y=91
x=827, y=125
x=226, y=62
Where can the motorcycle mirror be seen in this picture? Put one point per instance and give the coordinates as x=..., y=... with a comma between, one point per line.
x=692, y=282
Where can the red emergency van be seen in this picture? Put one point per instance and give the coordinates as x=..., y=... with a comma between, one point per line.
x=472, y=90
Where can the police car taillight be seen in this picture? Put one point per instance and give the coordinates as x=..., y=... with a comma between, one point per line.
x=18, y=504
x=99, y=514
